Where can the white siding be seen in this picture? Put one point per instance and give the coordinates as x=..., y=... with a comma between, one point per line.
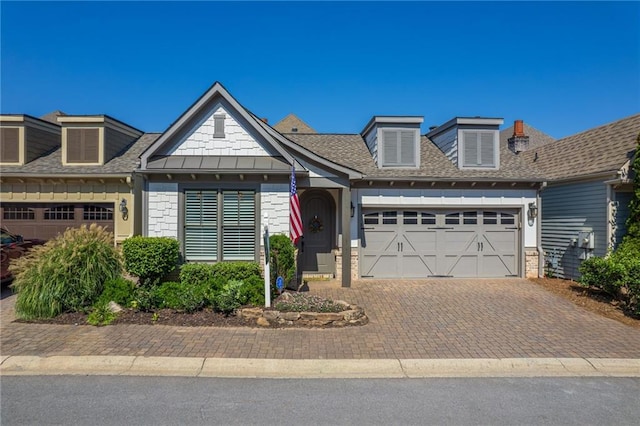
x=237, y=140
x=566, y=210
x=439, y=198
x=162, y=212
x=274, y=201
x=448, y=144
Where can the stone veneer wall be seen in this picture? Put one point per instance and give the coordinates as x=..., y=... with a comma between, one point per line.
x=354, y=263
x=531, y=262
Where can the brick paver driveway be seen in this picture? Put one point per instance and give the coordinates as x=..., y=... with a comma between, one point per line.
x=445, y=318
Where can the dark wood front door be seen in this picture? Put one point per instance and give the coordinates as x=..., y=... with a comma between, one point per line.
x=318, y=221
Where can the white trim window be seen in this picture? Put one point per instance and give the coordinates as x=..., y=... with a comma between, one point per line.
x=219, y=225
x=399, y=148
x=479, y=149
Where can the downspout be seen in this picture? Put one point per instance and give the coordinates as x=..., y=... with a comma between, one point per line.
x=541, y=259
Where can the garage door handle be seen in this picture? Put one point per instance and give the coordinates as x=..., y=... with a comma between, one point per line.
x=480, y=246
x=511, y=227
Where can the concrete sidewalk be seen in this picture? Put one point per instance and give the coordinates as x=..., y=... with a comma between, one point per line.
x=307, y=368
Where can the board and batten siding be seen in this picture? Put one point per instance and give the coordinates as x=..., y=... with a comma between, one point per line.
x=621, y=213
x=162, y=210
x=568, y=209
x=448, y=143
x=237, y=141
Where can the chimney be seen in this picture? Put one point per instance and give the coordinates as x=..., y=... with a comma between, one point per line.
x=265, y=120
x=519, y=142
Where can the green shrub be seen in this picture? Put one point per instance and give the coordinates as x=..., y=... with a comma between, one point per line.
x=181, y=296
x=236, y=270
x=230, y=297
x=150, y=258
x=252, y=291
x=65, y=274
x=605, y=273
x=101, y=315
x=146, y=299
x=197, y=273
x=629, y=248
x=282, y=259
x=119, y=290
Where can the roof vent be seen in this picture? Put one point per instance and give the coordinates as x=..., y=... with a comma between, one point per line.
x=294, y=129
x=519, y=142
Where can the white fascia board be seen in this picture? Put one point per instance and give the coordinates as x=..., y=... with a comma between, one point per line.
x=474, y=121
x=392, y=119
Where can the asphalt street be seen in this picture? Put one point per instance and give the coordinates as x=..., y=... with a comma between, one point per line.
x=110, y=400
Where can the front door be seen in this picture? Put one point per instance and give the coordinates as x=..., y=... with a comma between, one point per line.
x=318, y=221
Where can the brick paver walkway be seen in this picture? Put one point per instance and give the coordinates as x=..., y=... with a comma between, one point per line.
x=506, y=318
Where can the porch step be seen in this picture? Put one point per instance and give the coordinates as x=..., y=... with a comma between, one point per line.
x=316, y=276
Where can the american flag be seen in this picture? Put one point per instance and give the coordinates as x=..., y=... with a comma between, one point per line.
x=295, y=220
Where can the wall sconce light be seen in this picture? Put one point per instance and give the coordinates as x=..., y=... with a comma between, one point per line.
x=352, y=209
x=123, y=209
x=533, y=210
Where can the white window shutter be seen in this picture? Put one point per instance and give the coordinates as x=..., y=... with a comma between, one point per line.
x=470, y=142
x=487, y=149
x=390, y=142
x=407, y=148
x=201, y=225
x=238, y=225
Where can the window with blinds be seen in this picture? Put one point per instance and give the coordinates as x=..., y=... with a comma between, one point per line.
x=479, y=149
x=219, y=225
x=83, y=145
x=399, y=148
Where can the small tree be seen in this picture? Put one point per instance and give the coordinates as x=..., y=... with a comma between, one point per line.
x=633, y=221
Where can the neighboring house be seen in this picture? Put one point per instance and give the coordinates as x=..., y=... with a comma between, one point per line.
x=384, y=203
x=66, y=170
x=585, y=203
x=293, y=124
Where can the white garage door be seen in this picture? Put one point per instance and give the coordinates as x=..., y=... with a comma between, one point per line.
x=431, y=243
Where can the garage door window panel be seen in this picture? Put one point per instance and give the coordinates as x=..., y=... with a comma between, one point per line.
x=66, y=212
x=18, y=213
x=96, y=213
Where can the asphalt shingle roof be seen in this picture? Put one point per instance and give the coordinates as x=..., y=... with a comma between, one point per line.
x=350, y=150
x=51, y=163
x=602, y=149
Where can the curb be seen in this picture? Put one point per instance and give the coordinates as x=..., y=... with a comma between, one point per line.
x=316, y=368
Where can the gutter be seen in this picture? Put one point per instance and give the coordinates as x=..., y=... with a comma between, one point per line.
x=541, y=259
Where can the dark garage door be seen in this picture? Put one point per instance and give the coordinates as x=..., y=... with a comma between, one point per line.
x=428, y=243
x=46, y=220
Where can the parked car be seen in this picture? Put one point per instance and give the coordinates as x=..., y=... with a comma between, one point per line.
x=13, y=246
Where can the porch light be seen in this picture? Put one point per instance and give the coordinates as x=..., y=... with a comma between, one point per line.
x=533, y=210
x=123, y=209
x=352, y=209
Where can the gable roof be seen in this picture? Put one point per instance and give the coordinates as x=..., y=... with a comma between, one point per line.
x=536, y=137
x=215, y=92
x=290, y=122
x=350, y=150
x=50, y=164
x=603, y=149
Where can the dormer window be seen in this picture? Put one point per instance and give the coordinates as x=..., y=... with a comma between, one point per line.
x=399, y=148
x=479, y=149
x=83, y=145
x=10, y=145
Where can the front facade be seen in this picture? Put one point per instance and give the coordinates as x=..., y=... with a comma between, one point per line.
x=585, y=203
x=63, y=171
x=387, y=202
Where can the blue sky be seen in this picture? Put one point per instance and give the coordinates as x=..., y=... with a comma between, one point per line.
x=561, y=67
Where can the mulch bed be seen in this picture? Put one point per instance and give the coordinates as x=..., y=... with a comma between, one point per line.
x=590, y=299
